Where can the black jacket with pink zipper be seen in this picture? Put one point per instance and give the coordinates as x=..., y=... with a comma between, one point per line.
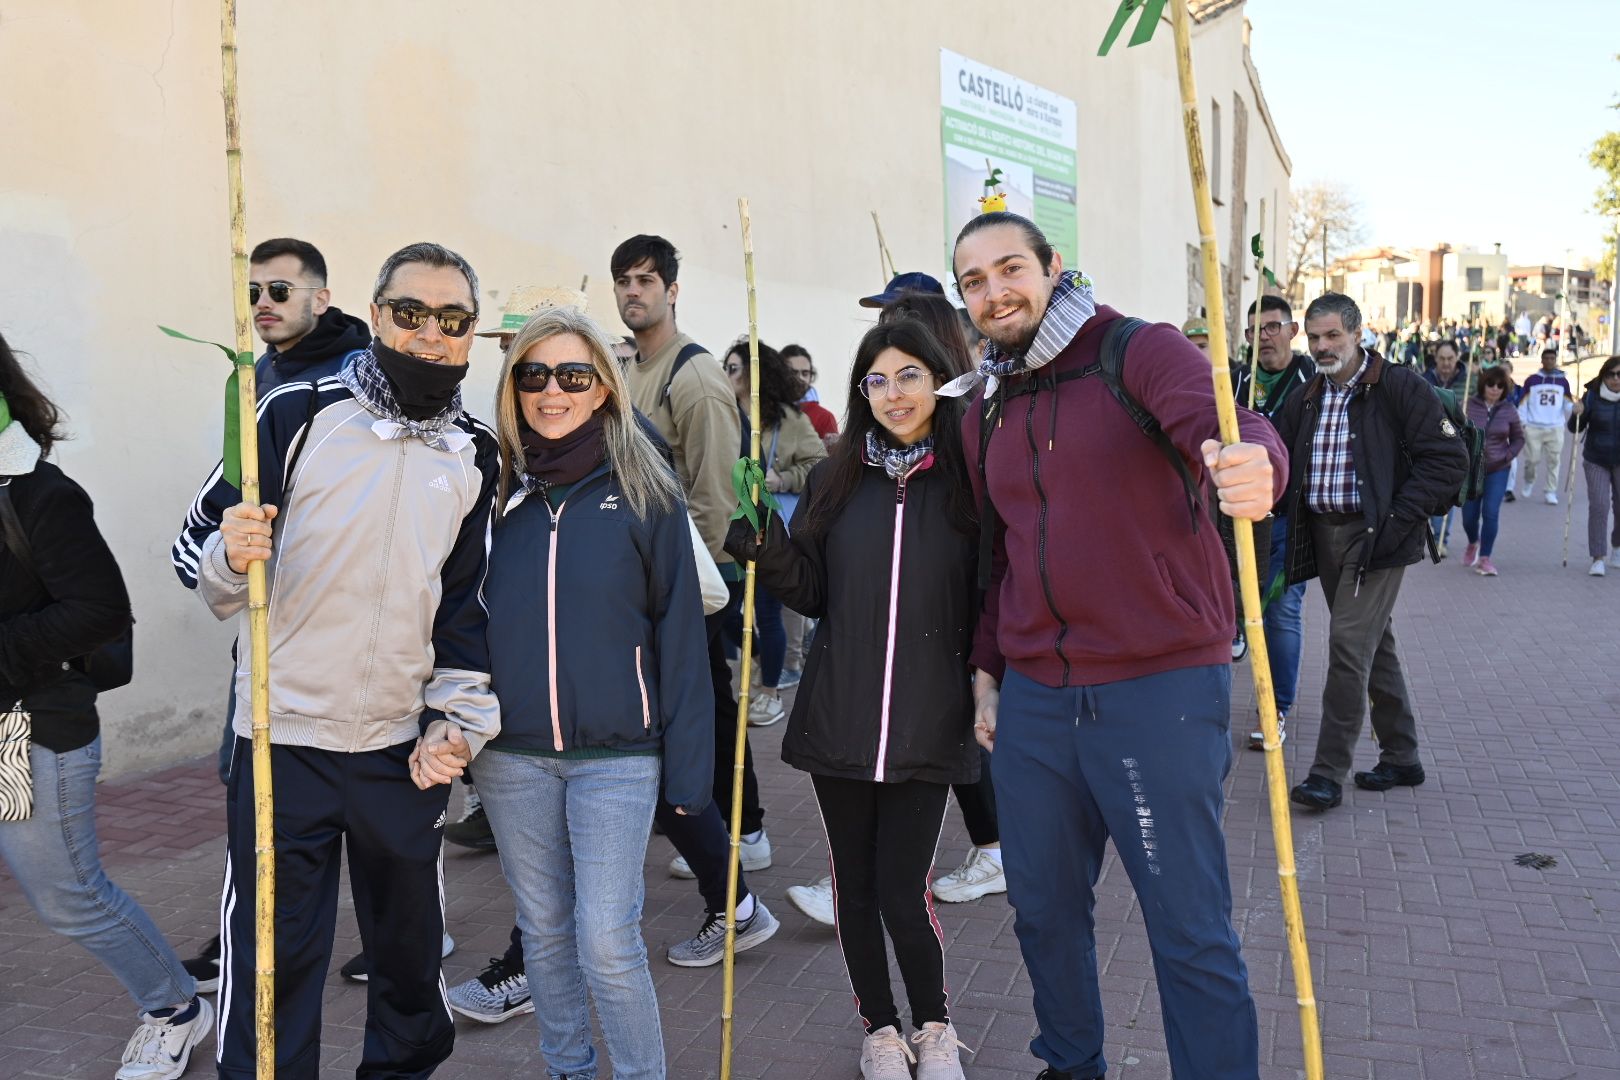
x=886, y=694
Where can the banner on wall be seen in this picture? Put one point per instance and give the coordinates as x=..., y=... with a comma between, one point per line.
x=989, y=119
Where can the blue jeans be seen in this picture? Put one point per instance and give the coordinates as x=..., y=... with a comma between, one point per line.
x=1489, y=507
x=1142, y=761
x=772, y=637
x=573, y=838
x=57, y=863
x=1284, y=621
x=1440, y=525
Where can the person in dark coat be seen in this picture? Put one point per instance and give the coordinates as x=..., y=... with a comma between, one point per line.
x=1596, y=418
x=882, y=553
x=61, y=598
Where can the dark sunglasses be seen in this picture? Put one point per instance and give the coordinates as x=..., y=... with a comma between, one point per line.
x=279, y=291
x=408, y=315
x=572, y=378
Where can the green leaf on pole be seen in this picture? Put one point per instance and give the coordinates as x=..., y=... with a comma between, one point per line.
x=1271, y=277
x=5, y=413
x=1151, y=11
x=746, y=477
x=1256, y=247
x=231, y=456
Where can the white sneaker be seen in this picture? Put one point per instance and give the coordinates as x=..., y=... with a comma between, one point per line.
x=979, y=875
x=1525, y=493
x=937, y=1057
x=765, y=710
x=1597, y=568
x=756, y=855
x=1614, y=558
x=160, y=1049
x=816, y=901
x=1552, y=498
x=885, y=1056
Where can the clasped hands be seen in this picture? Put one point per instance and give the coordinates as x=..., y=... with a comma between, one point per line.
x=440, y=755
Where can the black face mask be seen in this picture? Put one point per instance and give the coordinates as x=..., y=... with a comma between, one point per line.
x=422, y=388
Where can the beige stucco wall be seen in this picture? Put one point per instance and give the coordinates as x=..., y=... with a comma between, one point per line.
x=532, y=138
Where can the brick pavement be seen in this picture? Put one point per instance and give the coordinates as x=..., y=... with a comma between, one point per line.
x=1435, y=956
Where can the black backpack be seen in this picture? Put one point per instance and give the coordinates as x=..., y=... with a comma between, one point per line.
x=1110, y=366
x=686, y=354
x=108, y=666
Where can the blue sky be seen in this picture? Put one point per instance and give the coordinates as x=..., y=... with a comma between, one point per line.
x=1466, y=121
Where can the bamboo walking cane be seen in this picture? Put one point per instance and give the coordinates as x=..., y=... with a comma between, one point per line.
x=1574, y=460
x=883, y=250
x=1248, y=576
x=1259, y=291
x=264, y=890
x=734, y=860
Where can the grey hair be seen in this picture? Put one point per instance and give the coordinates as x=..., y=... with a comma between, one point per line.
x=1332, y=303
x=430, y=254
x=648, y=482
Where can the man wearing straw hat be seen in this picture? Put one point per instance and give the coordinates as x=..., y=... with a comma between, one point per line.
x=374, y=539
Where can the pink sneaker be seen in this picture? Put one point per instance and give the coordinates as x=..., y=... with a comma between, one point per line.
x=1471, y=555
x=1485, y=567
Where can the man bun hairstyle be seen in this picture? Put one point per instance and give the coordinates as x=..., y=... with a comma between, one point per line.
x=1032, y=235
x=307, y=254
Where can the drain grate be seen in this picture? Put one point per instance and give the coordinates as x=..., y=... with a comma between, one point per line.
x=1535, y=861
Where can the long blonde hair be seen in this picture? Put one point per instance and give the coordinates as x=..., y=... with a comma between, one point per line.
x=644, y=476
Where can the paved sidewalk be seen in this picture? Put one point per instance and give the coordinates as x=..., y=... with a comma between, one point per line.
x=1435, y=956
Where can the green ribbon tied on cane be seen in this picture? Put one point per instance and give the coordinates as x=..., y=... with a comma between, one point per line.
x=231, y=459
x=1259, y=251
x=747, y=476
x=1151, y=10
x=5, y=413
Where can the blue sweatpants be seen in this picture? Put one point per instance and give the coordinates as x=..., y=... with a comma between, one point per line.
x=1141, y=761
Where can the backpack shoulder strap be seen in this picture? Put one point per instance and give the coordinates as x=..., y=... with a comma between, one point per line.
x=1111, y=366
x=681, y=359
x=303, y=437
x=11, y=529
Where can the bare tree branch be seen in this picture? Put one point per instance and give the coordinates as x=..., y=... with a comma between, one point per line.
x=1318, y=205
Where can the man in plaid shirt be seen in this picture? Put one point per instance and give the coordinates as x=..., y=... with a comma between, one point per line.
x=1371, y=457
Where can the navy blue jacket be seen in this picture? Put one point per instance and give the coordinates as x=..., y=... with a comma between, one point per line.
x=596, y=634
x=1600, y=421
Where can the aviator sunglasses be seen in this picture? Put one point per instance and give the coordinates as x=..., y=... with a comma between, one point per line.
x=279, y=291
x=572, y=378
x=409, y=315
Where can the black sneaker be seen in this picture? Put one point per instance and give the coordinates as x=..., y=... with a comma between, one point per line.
x=496, y=994
x=356, y=970
x=1317, y=793
x=204, y=967
x=473, y=830
x=1240, y=649
x=1383, y=776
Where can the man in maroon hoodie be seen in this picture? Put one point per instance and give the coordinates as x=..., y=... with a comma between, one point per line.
x=1104, y=645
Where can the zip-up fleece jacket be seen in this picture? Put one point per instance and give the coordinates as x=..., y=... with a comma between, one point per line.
x=596, y=634
x=1600, y=420
x=1504, y=433
x=1098, y=574
x=376, y=624
x=1407, y=456
x=699, y=422
x=886, y=694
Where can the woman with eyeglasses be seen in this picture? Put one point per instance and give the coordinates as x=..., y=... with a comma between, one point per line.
x=1491, y=410
x=788, y=447
x=1596, y=418
x=599, y=659
x=882, y=551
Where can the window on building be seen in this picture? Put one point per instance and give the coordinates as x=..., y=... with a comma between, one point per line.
x=1215, y=150
x=1476, y=278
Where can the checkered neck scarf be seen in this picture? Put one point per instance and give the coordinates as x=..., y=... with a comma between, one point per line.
x=364, y=377
x=1331, y=483
x=897, y=461
x=1071, y=305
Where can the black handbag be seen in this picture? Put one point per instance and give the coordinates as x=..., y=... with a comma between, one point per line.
x=108, y=666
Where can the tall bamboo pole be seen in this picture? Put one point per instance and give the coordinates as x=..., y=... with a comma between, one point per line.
x=1259, y=292
x=883, y=251
x=1248, y=577
x=1575, y=449
x=734, y=860
x=264, y=890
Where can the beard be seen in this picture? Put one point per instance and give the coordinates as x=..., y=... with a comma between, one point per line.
x=1331, y=363
x=640, y=318
x=294, y=325
x=1014, y=338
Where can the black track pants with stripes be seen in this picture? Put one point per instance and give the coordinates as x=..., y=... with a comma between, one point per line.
x=323, y=799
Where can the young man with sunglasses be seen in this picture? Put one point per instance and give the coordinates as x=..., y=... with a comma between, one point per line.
x=683, y=391
x=376, y=490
